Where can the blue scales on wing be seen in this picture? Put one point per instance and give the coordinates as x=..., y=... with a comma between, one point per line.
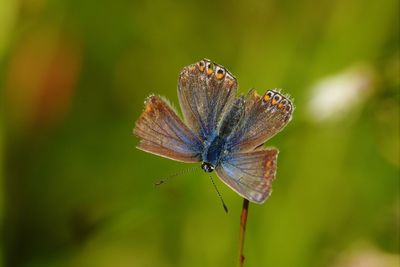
x=264, y=117
x=163, y=133
x=250, y=174
x=206, y=90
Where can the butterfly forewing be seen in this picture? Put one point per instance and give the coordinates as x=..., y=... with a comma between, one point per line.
x=250, y=174
x=163, y=133
x=205, y=91
x=264, y=117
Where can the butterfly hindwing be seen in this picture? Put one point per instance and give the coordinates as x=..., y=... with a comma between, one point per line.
x=250, y=174
x=264, y=117
x=163, y=133
x=205, y=91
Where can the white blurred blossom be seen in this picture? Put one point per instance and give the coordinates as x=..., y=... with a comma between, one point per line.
x=366, y=256
x=335, y=96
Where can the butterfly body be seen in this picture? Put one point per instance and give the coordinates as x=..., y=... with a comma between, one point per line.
x=219, y=146
x=222, y=131
x=213, y=152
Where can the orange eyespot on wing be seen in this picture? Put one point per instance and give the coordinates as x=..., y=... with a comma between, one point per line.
x=148, y=108
x=268, y=96
x=210, y=68
x=268, y=164
x=201, y=65
x=276, y=99
x=219, y=73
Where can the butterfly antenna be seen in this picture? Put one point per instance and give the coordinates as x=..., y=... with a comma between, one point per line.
x=219, y=194
x=160, y=182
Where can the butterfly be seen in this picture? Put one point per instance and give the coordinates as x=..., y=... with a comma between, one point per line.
x=222, y=131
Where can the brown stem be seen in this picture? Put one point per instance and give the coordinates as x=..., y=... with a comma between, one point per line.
x=243, y=222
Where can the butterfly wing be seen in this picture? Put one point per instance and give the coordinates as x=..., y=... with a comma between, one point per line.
x=250, y=174
x=264, y=117
x=163, y=133
x=205, y=91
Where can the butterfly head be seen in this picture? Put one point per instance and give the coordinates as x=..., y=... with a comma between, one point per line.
x=207, y=167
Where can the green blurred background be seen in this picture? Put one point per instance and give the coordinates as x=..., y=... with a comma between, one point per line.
x=75, y=191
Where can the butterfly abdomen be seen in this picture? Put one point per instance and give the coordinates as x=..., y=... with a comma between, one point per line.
x=232, y=118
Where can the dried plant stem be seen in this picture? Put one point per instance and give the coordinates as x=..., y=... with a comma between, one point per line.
x=243, y=222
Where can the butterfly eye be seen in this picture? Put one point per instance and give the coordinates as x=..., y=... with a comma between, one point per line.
x=276, y=99
x=210, y=68
x=268, y=96
x=201, y=66
x=220, y=73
